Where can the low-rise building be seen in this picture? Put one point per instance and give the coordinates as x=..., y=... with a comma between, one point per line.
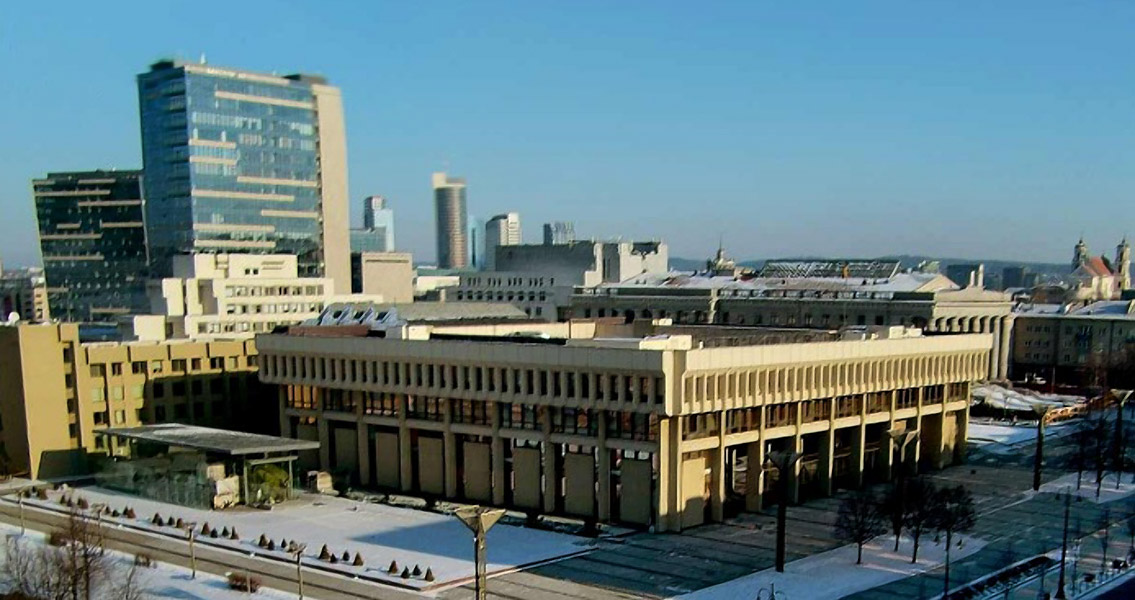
x=24, y=292
x=1069, y=344
x=386, y=275
x=57, y=391
x=641, y=423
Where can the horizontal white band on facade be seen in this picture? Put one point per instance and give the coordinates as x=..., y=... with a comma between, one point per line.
x=242, y=195
x=233, y=244
x=212, y=160
x=95, y=181
x=67, y=225
x=120, y=224
x=289, y=214
x=232, y=74
x=70, y=236
x=111, y=310
x=274, y=181
x=211, y=143
x=229, y=227
x=108, y=203
x=263, y=100
x=62, y=257
x=72, y=193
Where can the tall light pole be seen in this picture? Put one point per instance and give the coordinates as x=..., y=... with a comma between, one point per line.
x=297, y=550
x=191, y=530
x=1041, y=411
x=785, y=463
x=1064, y=546
x=479, y=520
x=900, y=439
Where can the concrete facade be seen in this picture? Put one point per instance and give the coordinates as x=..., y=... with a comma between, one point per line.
x=56, y=391
x=607, y=425
x=1077, y=346
x=24, y=292
x=452, y=221
x=385, y=275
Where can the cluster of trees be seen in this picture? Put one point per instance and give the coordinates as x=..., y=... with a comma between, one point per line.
x=72, y=565
x=1100, y=445
x=917, y=506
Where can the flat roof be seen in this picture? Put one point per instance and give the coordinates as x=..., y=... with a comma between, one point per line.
x=221, y=441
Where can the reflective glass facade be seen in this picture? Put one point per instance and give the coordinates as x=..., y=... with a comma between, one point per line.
x=93, y=240
x=232, y=163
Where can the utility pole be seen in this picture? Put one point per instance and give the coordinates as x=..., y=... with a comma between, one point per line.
x=1064, y=546
x=297, y=550
x=785, y=463
x=479, y=520
x=191, y=529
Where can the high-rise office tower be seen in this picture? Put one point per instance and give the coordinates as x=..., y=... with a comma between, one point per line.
x=559, y=232
x=501, y=230
x=452, y=220
x=93, y=241
x=377, y=234
x=243, y=162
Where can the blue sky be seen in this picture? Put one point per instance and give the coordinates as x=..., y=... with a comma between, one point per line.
x=998, y=129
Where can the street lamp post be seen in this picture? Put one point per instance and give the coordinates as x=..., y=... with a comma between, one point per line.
x=785, y=463
x=900, y=439
x=1064, y=546
x=191, y=530
x=479, y=520
x=1041, y=412
x=297, y=550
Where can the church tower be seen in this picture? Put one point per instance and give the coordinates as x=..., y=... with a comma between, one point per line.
x=1081, y=254
x=1123, y=264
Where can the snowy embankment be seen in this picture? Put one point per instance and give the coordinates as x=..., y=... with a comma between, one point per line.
x=833, y=574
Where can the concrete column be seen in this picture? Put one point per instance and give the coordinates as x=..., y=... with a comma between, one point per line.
x=859, y=444
x=1005, y=347
x=798, y=446
x=717, y=474
x=500, y=476
x=405, y=449
x=827, y=452
x=669, y=474
x=449, y=451
x=551, y=475
x=755, y=475
x=363, y=442
x=285, y=420
x=992, y=327
x=324, y=442
x=962, y=435
x=603, y=466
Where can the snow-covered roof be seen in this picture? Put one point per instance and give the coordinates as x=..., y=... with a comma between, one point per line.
x=1106, y=307
x=900, y=282
x=221, y=441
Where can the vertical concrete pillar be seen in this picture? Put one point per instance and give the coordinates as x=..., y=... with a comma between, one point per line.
x=603, y=466
x=917, y=458
x=449, y=451
x=859, y=445
x=405, y=448
x=497, y=450
x=826, y=467
x=995, y=350
x=669, y=474
x=324, y=443
x=363, y=442
x=755, y=475
x=1005, y=348
x=285, y=420
x=717, y=474
x=798, y=446
x=551, y=475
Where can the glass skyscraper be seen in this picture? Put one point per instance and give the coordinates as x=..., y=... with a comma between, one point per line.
x=243, y=162
x=452, y=222
x=93, y=239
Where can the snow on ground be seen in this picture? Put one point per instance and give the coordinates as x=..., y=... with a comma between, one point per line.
x=999, y=436
x=167, y=582
x=1108, y=491
x=834, y=574
x=378, y=532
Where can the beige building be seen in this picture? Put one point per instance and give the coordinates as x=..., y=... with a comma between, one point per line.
x=24, y=292
x=56, y=391
x=385, y=275
x=808, y=296
x=228, y=295
x=1089, y=345
x=641, y=424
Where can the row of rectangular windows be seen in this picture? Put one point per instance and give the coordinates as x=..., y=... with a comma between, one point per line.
x=177, y=365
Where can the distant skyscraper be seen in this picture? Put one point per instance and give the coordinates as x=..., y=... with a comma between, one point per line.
x=377, y=234
x=93, y=241
x=559, y=232
x=452, y=222
x=243, y=162
x=501, y=230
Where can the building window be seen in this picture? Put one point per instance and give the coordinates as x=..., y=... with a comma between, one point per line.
x=98, y=370
x=116, y=369
x=180, y=412
x=179, y=388
x=138, y=367
x=155, y=366
x=216, y=363
x=159, y=414
x=195, y=364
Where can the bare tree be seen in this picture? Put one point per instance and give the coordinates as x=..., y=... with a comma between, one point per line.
x=1098, y=429
x=953, y=512
x=859, y=520
x=919, y=517
x=73, y=565
x=893, y=507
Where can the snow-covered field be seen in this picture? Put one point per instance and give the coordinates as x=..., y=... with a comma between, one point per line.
x=1005, y=435
x=379, y=533
x=1108, y=490
x=834, y=574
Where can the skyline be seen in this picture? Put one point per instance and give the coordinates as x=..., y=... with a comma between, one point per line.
x=915, y=131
